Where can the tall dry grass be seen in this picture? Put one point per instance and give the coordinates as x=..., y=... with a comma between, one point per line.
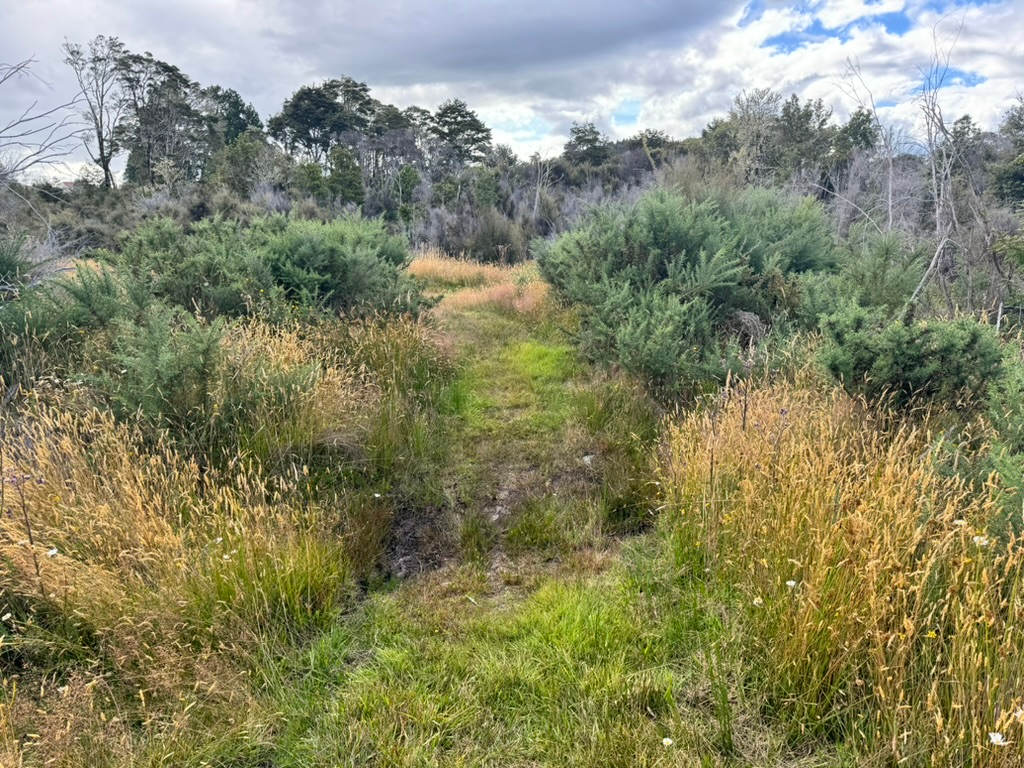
x=143, y=590
x=438, y=269
x=470, y=285
x=879, y=606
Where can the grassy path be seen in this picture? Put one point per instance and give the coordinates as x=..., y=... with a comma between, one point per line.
x=545, y=638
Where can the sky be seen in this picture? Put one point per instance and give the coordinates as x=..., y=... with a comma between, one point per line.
x=530, y=68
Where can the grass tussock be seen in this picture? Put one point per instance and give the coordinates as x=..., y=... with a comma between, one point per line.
x=147, y=582
x=437, y=269
x=879, y=604
x=469, y=285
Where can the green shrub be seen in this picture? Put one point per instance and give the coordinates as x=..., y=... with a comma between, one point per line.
x=876, y=269
x=49, y=326
x=162, y=370
x=939, y=361
x=791, y=234
x=346, y=265
x=667, y=287
x=497, y=239
x=14, y=266
x=212, y=270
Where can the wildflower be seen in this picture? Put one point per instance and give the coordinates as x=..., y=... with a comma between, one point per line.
x=52, y=552
x=667, y=741
x=758, y=601
x=226, y=557
x=376, y=495
x=959, y=523
x=5, y=617
x=997, y=739
x=218, y=540
x=981, y=541
x=1018, y=715
x=791, y=584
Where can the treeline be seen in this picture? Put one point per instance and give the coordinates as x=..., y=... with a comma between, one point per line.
x=192, y=151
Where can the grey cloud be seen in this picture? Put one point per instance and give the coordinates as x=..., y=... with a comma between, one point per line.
x=462, y=40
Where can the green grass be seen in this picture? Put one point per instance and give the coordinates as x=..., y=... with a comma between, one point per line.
x=543, y=637
x=580, y=671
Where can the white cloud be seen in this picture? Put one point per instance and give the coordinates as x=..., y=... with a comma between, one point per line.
x=531, y=68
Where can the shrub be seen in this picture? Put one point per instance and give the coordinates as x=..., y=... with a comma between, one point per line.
x=212, y=270
x=792, y=234
x=941, y=361
x=162, y=370
x=346, y=265
x=660, y=284
x=14, y=266
x=876, y=269
x=497, y=239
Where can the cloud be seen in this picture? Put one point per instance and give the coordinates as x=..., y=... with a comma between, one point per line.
x=532, y=67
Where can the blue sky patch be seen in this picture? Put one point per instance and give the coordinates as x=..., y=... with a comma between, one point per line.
x=815, y=32
x=627, y=112
x=533, y=129
x=897, y=23
x=753, y=12
x=956, y=76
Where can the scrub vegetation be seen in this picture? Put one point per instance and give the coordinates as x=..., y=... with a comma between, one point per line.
x=362, y=442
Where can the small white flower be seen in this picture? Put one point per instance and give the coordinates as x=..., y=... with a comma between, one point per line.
x=758, y=601
x=218, y=540
x=997, y=739
x=791, y=584
x=1019, y=715
x=52, y=552
x=667, y=741
x=5, y=617
x=981, y=541
x=376, y=495
x=226, y=557
x=959, y=523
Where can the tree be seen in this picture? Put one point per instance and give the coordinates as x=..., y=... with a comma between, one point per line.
x=345, y=182
x=229, y=115
x=96, y=69
x=34, y=136
x=241, y=165
x=163, y=120
x=1012, y=126
x=463, y=136
x=586, y=145
x=756, y=119
x=805, y=138
x=315, y=117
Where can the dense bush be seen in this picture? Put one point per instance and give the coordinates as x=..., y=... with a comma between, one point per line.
x=220, y=267
x=212, y=270
x=942, y=361
x=344, y=265
x=874, y=269
x=667, y=286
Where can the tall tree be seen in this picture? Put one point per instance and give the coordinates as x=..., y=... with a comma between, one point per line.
x=586, y=145
x=805, y=135
x=756, y=119
x=463, y=136
x=96, y=69
x=315, y=118
x=230, y=116
x=164, y=121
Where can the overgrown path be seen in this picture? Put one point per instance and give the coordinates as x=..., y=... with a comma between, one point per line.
x=541, y=637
